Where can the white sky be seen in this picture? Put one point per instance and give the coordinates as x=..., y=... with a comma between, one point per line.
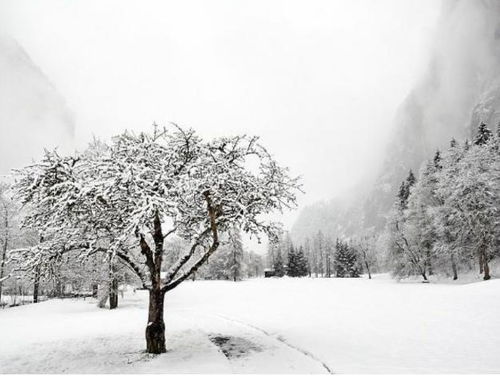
x=318, y=80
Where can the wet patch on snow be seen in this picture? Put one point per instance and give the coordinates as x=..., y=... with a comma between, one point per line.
x=234, y=347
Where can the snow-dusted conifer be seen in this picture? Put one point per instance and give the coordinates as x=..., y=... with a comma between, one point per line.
x=483, y=135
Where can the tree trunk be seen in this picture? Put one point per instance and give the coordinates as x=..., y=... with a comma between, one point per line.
x=95, y=290
x=425, y=277
x=486, y=271
x=328, y=270
x=36, y=284
x=429, y=262
x=480, y=262
x=58, y=288
x=2, y=267
x=4, y=251
x=486, y=267
x=113, y=293
x=113, y=287
x=155, y=330
x=368, y=270
x=454, y=268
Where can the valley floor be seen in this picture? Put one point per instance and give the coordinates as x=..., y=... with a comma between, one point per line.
x=267, y=326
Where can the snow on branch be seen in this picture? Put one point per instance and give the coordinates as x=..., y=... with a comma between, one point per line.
x=120, y=197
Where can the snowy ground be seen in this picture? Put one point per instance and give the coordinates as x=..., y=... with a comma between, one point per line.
x=267, y=326
x=9, y=300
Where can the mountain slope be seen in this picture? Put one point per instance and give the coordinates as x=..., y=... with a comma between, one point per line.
x=33, y=114
x=460, y=89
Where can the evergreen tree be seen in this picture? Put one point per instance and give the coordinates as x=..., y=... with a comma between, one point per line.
x=297, y=263
x=403, y=194
x=483, y=135
x=346, y=264
x=292, y=262
x=437, y=160
x=405, y=190
x=301, y=262
x=410, y=180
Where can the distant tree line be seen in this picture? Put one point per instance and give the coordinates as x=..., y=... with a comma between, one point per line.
x=320, y=257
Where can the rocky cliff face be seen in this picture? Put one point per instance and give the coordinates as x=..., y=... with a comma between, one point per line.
x=33, y=114
x=461, y=88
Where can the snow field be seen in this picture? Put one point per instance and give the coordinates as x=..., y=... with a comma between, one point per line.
x=293, y=326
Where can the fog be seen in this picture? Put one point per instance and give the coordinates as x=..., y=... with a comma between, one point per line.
x=319, y=81
x=459, y=89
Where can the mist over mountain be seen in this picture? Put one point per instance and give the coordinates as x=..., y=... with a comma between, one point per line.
x=33, y=115
x=459, y=90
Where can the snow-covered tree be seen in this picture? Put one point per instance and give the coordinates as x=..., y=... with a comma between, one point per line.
x=297, y=262
x=450, y=215
x=405, y=256
x=405, y=190
x=450, y=253
x=471, y=192
x=422, y=204
x=292, y=267
x=366, y=247
x=483, y=135
x=128, y=198
x=405, y=253
x=11, y=236
x=346, y=263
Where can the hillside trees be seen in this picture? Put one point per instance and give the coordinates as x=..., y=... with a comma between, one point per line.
x=451, y=214
x=472, y=195
x=406, y=255
x=126, y=200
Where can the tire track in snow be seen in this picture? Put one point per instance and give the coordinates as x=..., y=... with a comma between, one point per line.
x=280, y=339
